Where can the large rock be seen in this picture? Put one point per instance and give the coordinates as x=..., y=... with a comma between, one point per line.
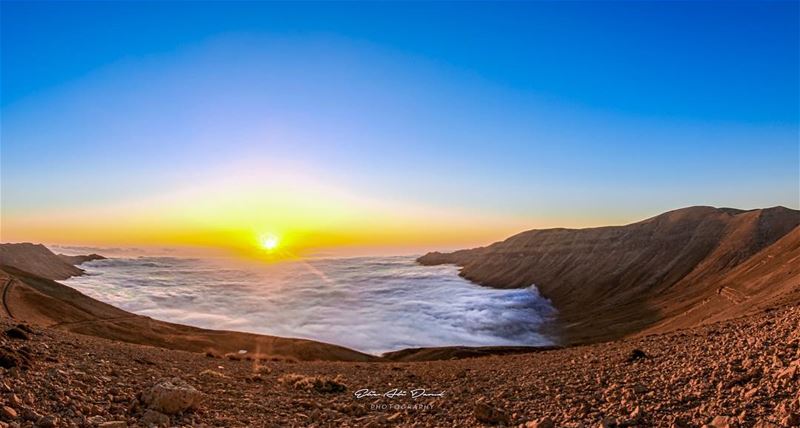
x=171, y=396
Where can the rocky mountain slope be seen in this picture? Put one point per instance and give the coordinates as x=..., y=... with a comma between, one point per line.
x=38, y=259
x=678, y=269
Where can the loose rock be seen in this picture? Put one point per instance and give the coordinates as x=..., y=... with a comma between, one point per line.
x=171, y=396
x=8, y=412
x=544, y=422
x=723, y=422
x=490, y=415
x=47, y=422
x=114, y=424
x=17, y=333
x=636, y=355
x=154, y=418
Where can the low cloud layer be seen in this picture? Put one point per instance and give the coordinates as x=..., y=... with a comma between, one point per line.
x=370, y=304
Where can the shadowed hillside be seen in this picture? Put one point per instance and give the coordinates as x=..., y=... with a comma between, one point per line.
x=609, y=282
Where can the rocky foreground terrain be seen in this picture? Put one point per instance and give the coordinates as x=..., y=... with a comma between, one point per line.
x=743, y=372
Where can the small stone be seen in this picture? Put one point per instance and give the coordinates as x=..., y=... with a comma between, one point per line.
x=608, y=422
x=8, y=412
x=742, y=418
x=791, y=420
x=544, y=422
x=636, y=355
x=30, y=415
x=490, y=415
x=114, y=424
x=723, y=422
x=394, y=417
x=9, y=360
x=47, y=422
x=679, y=423
x=154, y=418
x=212, y=374
x=788, y=373
x=637, y=414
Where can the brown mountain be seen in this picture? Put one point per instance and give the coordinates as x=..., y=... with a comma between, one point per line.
x=678, y=269
x=769, y=279
x=80, y=259
x=37, y=259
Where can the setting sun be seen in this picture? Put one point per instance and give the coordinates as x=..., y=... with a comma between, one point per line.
x=269, y=242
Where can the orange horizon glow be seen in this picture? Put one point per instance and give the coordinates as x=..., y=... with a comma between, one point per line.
x=379, y=238
x=272, y=217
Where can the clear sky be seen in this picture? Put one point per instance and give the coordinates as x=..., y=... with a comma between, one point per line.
x=399, y=126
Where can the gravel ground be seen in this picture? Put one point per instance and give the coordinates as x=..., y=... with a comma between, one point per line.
x=744, y=372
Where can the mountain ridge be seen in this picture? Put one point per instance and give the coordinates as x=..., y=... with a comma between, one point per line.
x=613, y=281
x=39, y=260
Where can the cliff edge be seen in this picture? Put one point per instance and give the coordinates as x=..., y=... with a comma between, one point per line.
x=678, y=269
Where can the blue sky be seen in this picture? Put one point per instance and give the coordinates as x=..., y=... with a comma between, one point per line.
x=518, y=114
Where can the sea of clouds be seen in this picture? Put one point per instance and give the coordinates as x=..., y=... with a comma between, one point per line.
x=373, y=304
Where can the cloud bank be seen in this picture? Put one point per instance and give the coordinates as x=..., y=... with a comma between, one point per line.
x=370, y=304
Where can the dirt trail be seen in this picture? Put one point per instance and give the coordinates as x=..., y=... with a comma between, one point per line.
x=93, y=321
x=734, y=296
x=6, y=288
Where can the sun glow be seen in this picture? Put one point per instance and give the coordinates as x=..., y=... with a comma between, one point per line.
x=269, y=242
x=262, y=217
